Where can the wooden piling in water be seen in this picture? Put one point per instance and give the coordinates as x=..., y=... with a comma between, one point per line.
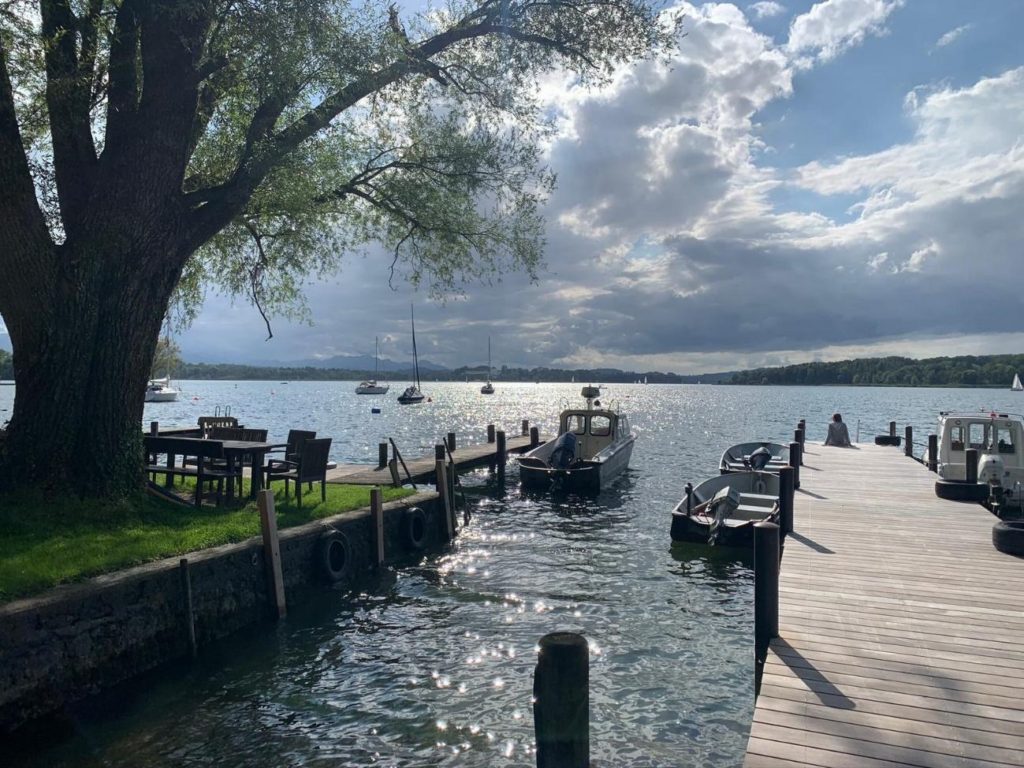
x=908, y=440
x=490, y=433
x=154, y=428
x=446, y=501
x=377, y=509
x=502, y=453
x=561, y=696
x=933, y=453
x=785, y=501
x=382, y=455
x=190, y=620
x=892, y=429
x=534, y=437
x=272, y=551
x=451, y=441
x=795, y=460
x=525, y=428
x=766, y=582
x=798, y=436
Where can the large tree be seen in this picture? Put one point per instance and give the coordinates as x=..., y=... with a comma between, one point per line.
x=149, y=146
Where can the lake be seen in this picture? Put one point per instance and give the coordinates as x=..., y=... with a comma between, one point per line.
x=430, y=664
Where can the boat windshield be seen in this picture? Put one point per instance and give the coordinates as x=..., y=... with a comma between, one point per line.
x=1004, y=440
x=978, y=435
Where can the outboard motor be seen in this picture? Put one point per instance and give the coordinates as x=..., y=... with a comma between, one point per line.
x=565, y=451
x=759, y=459
x=991, y=470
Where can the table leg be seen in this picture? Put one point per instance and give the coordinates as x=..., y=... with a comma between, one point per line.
x=230, y=458
x=256, y=481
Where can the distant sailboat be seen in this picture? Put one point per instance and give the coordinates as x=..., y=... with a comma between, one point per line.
x=412, y=394
x=1017, y=386
x=488, y=388
x=372, y=387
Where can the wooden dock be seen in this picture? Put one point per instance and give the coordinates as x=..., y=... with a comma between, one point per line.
x=422, y=468
x=901, y=626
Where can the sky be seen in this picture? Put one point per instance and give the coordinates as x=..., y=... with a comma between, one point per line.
x=806, y=181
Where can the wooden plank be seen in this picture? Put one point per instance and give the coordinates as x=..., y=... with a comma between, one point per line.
x=899, y=626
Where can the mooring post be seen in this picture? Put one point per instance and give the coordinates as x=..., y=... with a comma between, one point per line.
x=933, y=453
x=439, y=452
x=766, y=582
x=271, y=551
x=798, y=437
x=396, y=479
x=908, y=439
x=377, y=508
x=892, y=429
x=442, y=489
x=971, y=465
x=795, y=460
x=534, y=437
x=501, y=454
x=490, y=433
x=451, y=495
x=154, y=428
x=451, y=442
x=526, y=428
x=382, y=455
x=561, y=701
x=190, y=621
x=785, y=501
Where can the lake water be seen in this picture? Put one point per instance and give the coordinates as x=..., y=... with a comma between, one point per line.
x=431, y=664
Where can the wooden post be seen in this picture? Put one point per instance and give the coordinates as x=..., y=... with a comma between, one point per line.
x=451, y=495
x=190, y=621
x=272, y=550
x=798, y=437
x=501, y=453
x=933, y=453
x=154, y=428
x=396, y=480
x=785, y=500
x=561, y=696
x=382, y=455
x=892, y=429
x=490, y=433
x=795, y=460
x=971, y=465
x=766, y=582
x=534, y=437
x=442, y=490
x=377, y=509
x=908, y=446
x=451, y=442
x=525, y=427
x=439, y=456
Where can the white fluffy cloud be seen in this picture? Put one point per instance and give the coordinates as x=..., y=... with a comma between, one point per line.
x=832, y=26
x=767, y=8
x=952, y=35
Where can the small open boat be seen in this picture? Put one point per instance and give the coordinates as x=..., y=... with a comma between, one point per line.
x=593, y=447
x=755, y=457
x=723, y=509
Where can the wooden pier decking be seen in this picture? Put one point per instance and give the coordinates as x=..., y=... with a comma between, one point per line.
x=422, y=468
x=901, y=626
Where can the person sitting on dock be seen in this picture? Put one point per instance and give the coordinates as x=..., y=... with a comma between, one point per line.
x=837, y=432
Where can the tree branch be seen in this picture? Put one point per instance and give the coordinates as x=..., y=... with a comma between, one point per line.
x=123, y=91
x=68, y=100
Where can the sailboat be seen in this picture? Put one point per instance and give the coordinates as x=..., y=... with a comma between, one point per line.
x=161, y=391
x=412, y=394
x=1017, y=386
x=371, y=387
x=488, y=388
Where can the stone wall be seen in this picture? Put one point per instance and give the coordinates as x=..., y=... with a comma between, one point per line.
x=77, y=640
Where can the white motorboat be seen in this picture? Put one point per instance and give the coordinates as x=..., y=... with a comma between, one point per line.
x=412, y=394
x=488, y=388
x=998, y=439
x=161, y=391
x=760, y=456
x=1017, y=386
x=593, y=447
x=371, y=387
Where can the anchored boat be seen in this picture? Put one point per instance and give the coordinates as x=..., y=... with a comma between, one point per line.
x=372, y=387
x=593, y=447
x=412, y=394
x=723, y=510
x=488, y=388
x=161, y=391
x=748, y=457
x=999, y=440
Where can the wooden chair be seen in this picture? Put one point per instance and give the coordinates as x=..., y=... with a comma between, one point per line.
x=311, y=467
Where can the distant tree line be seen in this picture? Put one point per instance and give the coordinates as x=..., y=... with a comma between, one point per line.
x=232, y=371
x=6, y=365
x=964, y=371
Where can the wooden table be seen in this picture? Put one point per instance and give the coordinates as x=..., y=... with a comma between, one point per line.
x=236, y=451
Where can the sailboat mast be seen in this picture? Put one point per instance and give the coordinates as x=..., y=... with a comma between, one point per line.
x=376, y=358
x=488, y=358
x=415, y=356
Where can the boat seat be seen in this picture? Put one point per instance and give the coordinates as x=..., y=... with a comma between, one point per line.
x=760, y=497
x=748, y=512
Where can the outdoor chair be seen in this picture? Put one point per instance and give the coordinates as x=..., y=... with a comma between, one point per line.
x=310, y=467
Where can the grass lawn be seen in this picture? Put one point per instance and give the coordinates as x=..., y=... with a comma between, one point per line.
x=50, y=541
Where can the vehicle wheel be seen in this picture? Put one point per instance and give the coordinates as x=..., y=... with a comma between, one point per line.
x=334, y=556
x=958, y=490
x=887, y=440
x=415, y=528
x=1008, y=536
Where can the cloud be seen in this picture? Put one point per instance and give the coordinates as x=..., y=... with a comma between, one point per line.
x=832, y=26
x=952, y=35
x=766, y=8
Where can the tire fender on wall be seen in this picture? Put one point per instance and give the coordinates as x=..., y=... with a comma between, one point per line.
x=1008, y=537
x=334, y=556
x=415, y=528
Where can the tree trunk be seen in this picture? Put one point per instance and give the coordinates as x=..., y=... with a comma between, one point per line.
x=80, y=367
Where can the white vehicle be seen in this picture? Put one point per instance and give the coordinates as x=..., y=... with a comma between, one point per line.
x=999, y=440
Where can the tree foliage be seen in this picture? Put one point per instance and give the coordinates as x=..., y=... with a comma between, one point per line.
x=964, y=371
